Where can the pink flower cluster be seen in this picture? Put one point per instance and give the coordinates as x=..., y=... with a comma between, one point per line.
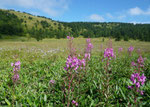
x=140, y=62
x=130, y=49
x=68, y=37
x=120, y=49
x=89, y=47
x=137, y=81
x=133, y=63
x=16, y=69
x=51, y=81
x=108, y=53
x=74, y=63
x=87, y=56
x=74, y=102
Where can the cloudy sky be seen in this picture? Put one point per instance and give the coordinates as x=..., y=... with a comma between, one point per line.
x=135, y=11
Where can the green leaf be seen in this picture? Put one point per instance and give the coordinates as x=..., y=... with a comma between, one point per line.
x=7, y=102
x=122, y=94
x=92, y=102
x=45, y=97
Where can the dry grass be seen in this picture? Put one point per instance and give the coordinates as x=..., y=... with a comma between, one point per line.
x=48, y=44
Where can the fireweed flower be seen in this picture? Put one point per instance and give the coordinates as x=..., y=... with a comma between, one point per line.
x=133, y=63
x=87, y=56
x=51, y=81
x=15, y=78
x=16, y=68
x=139, y=64
x=88, y=40
x=130, y=49
x=74, y=63
x=137, y=81
x=108, y=53
x=89, y=47
x=68, y=37
x=74, y=102
x=120, y=49
x=140, y=61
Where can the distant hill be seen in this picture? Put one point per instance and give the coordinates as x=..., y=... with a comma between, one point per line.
x=35, y=26
x=25, y=24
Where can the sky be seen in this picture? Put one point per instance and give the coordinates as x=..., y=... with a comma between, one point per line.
x=130, y=11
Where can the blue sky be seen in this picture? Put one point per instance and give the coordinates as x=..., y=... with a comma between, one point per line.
x=134, y=11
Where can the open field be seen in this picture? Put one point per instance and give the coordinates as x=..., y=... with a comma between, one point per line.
x=98, y=84
x=49, y=44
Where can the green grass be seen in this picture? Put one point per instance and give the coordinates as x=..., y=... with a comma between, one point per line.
x=45, y=60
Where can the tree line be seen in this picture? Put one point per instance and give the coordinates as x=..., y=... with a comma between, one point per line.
x=118, y=31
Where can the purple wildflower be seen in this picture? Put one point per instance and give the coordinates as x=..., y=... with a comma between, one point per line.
x=15, y=78
x=68, y=37
x=74, y=102
x=108, y=53
x=130, y=87
x=89, y=45
x=74, y=63
x=120, y=49
x=130, y=49
x=140, y=61
x=137, y=84
x=133, y=63
x=51, y=81
x=88, y=40
x=141, y=92
x=87, y=56
x=16, y=68
x=137, y=80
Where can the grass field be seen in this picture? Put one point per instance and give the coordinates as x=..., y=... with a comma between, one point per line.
x=93, y=86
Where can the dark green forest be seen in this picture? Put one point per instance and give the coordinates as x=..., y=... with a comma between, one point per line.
x=115, y=30
x=11, y=25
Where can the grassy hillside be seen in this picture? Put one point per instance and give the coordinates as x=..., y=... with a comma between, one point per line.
x=34, y=25
x=30, y=20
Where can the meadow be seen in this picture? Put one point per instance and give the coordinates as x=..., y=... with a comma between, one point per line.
x=74, y=72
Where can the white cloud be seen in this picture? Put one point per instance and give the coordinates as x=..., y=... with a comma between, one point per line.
x=135, y=11
x=34, y=13
x=50, y=7
x=109, y=15
x=121, y=17
x=135, y=22
x=138, y=11
x=96, y=17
